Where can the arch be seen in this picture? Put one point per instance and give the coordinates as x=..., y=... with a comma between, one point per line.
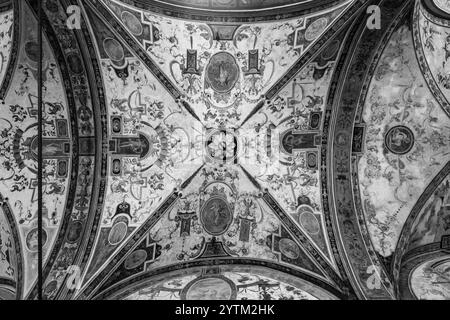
x=251, y=11
x=421, y=256
x=359, y=256
x=297, y=278
x=88, y=163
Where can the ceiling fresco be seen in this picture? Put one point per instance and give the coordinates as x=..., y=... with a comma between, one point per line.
x=222, y=206
x=407, y=142
x=288, y=153
x=223, y=70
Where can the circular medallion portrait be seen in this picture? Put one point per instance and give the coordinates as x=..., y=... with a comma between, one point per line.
x=399, y=140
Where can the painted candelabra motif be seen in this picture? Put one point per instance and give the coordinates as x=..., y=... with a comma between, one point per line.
x=215, y=217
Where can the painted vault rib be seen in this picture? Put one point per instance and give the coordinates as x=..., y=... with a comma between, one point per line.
x=6, y=41
x=19, y=152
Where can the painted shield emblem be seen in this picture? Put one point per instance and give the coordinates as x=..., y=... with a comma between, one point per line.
x=216, y=216
x=222, y=72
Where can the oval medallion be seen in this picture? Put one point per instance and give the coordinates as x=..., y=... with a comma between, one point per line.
x=222, y=72
x=312, y=160
x=289, y=249
x=212, y=288
x=308, y=220
x=50, y=289
x=117, y=233
x=315, y=29
x=113, y=49
x=216, y=216
x=135, y=259
x=132, y=23
x=331, y=50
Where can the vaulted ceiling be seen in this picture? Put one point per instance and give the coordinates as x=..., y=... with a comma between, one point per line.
x=226, y=150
